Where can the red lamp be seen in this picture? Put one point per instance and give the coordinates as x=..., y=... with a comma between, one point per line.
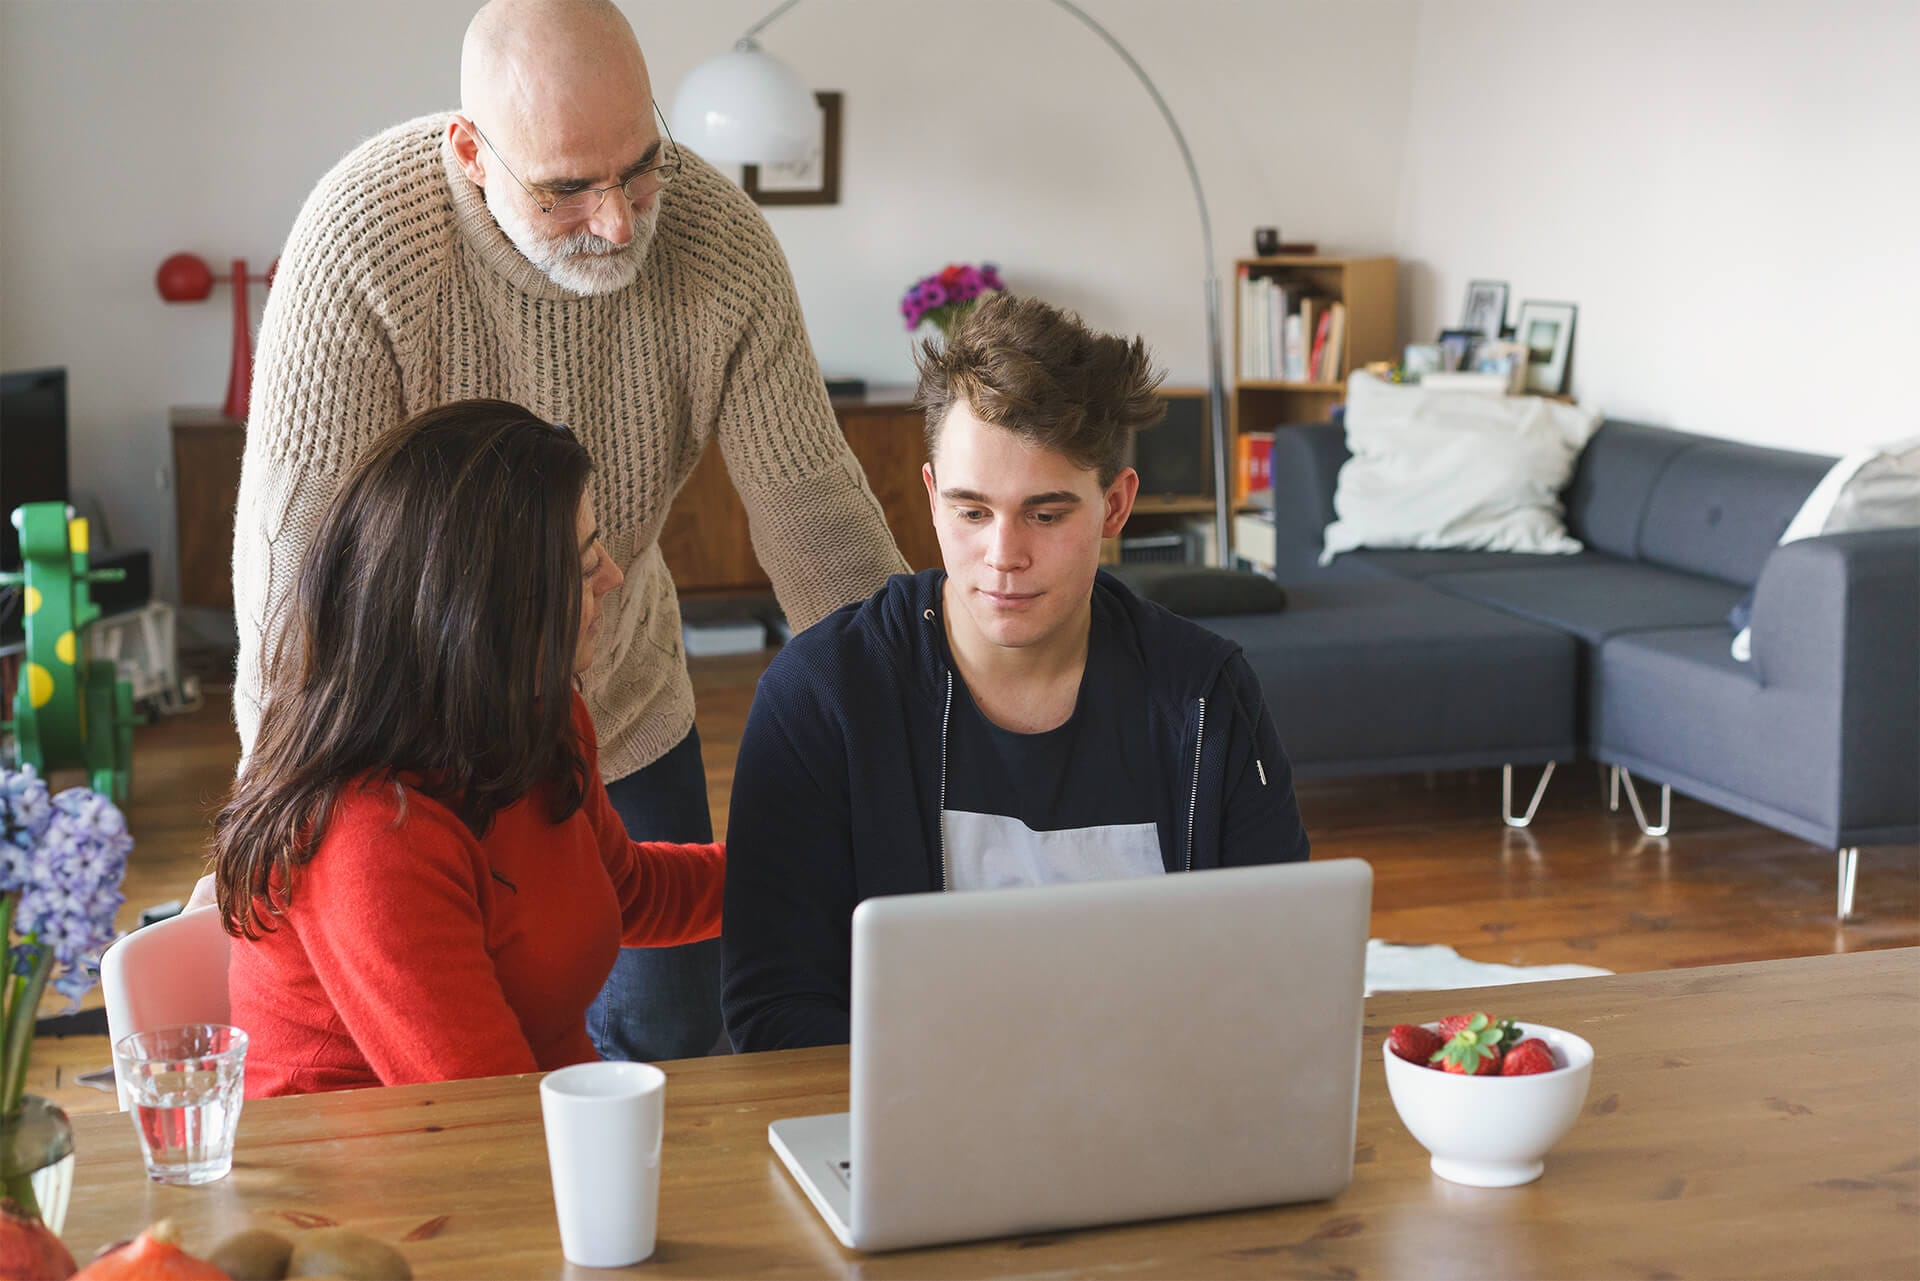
x=187, y=278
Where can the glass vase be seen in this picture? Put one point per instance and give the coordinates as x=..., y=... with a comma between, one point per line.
x=36, y=1159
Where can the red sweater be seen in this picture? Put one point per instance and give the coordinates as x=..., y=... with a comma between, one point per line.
x=414, y=952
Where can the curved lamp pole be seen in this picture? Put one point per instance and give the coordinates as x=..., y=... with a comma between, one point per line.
x=747, y=107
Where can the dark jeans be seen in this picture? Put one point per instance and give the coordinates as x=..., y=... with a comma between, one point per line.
x=662, y=1002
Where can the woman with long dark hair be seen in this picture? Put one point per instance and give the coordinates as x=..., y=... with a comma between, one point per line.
x=418, y=862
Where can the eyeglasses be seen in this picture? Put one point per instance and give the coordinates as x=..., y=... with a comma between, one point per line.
x=578, y=206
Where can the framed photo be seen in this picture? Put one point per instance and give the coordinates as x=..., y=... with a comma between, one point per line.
x=1485, y=311
x=1456, y=349
x=815, y=178
x=1507, y=359
x=1546, y=330
x=1421, y=359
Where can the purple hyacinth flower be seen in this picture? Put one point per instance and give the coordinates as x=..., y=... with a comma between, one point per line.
x=65, y=877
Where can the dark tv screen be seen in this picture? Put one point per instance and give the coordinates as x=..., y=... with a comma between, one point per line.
x=33, y=448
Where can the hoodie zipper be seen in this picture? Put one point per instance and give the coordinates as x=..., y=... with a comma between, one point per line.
x=1193, y=802
x=946, y=719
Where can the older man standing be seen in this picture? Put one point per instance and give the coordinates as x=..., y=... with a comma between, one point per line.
x=549, y=244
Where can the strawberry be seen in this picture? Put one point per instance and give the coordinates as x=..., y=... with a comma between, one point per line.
x=1451, y=1025
x=1476, y=1048
x=1414, y=1043
x=1530, y=1056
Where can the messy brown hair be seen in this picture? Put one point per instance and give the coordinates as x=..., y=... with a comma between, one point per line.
x=1040, y=373
x=431, y=641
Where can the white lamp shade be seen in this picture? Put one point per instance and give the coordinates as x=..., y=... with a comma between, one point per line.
x=746, y=108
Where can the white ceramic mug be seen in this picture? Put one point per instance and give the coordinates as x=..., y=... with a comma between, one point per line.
x=603, y=1123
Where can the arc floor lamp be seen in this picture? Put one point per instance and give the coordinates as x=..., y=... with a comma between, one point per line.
x=748, y=107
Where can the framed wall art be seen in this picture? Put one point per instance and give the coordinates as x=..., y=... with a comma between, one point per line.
x=815, y=178
x=1546, y=329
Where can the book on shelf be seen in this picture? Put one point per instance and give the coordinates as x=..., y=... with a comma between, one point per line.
x=1265, y=306
x=1253, y=452
x=1301, y=369
x=1255, y=540
x=1270, y=310
x=1288, y=334
x=1336, y=339
x=1275, y=338
x=1252, y=324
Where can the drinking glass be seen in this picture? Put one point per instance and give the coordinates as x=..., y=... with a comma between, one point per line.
x=184, y=1086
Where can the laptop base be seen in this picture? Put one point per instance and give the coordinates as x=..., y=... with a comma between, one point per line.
x=817, y=1151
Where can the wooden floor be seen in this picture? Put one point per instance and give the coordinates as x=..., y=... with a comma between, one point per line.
x=1580, y=885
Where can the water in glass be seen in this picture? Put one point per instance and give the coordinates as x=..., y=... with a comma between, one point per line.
x=184, y=1084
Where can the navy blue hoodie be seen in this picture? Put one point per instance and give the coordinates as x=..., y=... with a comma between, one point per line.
x=837, y=791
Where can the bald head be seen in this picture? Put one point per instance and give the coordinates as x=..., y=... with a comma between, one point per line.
x=555, y=69
x=556, y=103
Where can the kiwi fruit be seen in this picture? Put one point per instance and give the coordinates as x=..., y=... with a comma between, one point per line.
x=253, y=1255
x=348, y=1255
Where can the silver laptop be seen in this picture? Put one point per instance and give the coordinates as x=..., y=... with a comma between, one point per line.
x=1034, y=1059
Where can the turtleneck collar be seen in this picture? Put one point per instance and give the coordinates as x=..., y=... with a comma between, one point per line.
x=489, y=243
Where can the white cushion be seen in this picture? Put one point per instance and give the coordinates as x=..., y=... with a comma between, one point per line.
x=1459, y=469
x=1875, y=488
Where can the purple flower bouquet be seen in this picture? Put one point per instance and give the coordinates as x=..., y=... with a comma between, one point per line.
x=939, y=299
x=62, y=859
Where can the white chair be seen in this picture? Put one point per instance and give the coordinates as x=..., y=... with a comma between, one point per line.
x=171, y=972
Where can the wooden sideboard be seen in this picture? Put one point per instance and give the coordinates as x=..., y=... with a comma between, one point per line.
x=705, y=540
x=207, y=446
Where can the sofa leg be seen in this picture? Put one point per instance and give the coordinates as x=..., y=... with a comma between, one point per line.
x=1506, y=796
x=1613, y=789
x=1849, y=872
x=1640, y=815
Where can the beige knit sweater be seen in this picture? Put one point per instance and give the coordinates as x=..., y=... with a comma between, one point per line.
x=398, y=291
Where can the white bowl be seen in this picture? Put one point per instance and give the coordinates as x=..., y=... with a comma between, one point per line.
x=1492, y=1131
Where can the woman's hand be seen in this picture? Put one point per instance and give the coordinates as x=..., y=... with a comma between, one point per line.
x=205, y=894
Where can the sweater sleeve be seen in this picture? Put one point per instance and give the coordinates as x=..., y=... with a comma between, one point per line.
x=1262, y=821
x=390, y=919
x=326, y=382
x=817, y=528
x=786, y=969
x=669, y=894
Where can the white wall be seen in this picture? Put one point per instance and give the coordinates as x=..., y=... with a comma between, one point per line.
x=1729, y=191
x=974, y=129
x=1005, y=130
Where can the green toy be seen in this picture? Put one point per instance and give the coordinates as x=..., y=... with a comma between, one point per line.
x=67, y=712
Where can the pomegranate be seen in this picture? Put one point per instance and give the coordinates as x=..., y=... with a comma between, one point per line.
x=28, y=1249
x=154, y=1255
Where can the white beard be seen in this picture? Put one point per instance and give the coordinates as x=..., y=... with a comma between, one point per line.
x=578, y=261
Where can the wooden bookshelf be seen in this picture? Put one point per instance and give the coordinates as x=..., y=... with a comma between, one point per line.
x=1370, y=290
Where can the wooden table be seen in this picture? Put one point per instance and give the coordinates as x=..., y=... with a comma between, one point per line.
x=1744, y=1121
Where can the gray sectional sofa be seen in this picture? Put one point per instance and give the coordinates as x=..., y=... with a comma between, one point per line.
x=1389, y=661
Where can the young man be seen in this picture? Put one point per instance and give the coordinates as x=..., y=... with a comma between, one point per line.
x=549, y=244
x=1018, y=719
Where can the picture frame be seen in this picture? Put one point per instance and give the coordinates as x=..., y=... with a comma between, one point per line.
x=814, y=180
x=1485, y=310
x=1546, y=330
x=1507, y=359
x=1421, y=359
x=1456, y=349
